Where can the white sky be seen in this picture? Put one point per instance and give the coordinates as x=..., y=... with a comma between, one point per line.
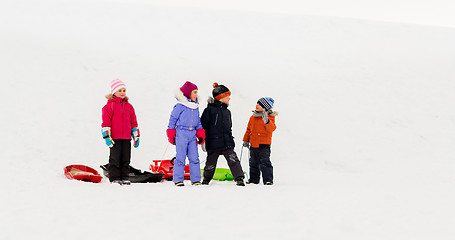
x=427, y=12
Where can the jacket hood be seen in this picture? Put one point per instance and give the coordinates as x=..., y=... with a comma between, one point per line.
x=185, y=101
x=273, y=114
x=211, y=100
x=111, y=97
x=117, y=100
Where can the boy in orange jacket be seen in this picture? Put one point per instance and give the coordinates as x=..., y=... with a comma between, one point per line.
x=258, y=137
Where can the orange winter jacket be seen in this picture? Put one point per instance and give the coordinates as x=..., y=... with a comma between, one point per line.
x=259, y=133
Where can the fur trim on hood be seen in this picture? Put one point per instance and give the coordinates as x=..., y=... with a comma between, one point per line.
x=110, y=96
x=212, y=100
x=273, y=114
x=181, y=99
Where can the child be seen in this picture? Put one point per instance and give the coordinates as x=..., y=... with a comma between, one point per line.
x=184, y=131
x=216, y=120
x=258, y=135
x=119, y=125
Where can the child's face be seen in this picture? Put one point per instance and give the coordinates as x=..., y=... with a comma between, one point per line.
x=226, y=100
x=121, y=93
x=193, y=95
x=259, y=108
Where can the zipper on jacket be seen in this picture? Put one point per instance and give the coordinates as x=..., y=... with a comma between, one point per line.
x=122, y=126
x=222, y=124
x=216, y=119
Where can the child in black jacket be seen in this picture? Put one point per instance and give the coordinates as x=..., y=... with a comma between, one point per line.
x=216, y=120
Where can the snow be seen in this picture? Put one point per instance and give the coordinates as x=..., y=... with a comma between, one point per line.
x=363, y=149
x=426, y=12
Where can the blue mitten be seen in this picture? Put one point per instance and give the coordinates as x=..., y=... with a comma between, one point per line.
x=135, y=133
x=106, y=131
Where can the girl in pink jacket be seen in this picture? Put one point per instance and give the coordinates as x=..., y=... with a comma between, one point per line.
x=118, y=127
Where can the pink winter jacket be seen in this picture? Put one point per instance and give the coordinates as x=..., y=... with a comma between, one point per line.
x=119, y=115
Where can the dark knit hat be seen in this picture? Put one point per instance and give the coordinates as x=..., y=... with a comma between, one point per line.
x=220, y=91
x=266, y=103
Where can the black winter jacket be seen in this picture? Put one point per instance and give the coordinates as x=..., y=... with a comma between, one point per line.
x=216, y=120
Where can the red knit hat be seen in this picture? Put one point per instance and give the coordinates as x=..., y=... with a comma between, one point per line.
x=187, y=88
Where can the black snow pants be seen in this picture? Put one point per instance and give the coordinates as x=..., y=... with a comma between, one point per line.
x=260, y=162
x=119, y=160
x=232, y=160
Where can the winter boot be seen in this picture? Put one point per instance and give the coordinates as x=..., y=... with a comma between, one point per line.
x=179, y=184
x=268, y=183
x=196, y=183
x=250, y=182
x=205, y=182
x=117, y=182
x=239, y=182
x=126, y=182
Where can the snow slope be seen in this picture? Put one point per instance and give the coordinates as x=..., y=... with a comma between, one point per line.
x=426, y=12
x=363, y=149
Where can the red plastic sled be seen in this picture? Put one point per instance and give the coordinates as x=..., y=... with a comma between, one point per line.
x=167, y=168
x=82, y=173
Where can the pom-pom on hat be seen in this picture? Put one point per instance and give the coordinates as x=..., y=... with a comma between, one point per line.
x=266, y=103
x=116, y=85
x=220, y=91
x=187, y=88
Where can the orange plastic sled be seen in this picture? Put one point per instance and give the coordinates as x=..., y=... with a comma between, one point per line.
x=82, y=173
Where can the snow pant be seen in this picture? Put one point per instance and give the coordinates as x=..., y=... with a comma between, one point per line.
x=119, y=160
x=185, y=142
x=232, y=160
x=260, y=162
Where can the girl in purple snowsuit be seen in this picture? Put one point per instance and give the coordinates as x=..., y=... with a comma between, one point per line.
x=185, y=131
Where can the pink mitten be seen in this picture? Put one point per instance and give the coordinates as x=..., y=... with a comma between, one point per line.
x=200, y=134
x=171, y=136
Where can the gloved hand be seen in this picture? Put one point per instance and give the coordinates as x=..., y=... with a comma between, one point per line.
x=200, y=134
x=136, y=134
x=171, y=135
x=106, y=131
x=246, y=144
x=264, y=117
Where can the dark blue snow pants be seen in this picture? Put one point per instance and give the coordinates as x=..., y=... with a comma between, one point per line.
x=260, y=162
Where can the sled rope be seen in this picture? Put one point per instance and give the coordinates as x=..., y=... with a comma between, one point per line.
x=167, y=146
x=241, y=153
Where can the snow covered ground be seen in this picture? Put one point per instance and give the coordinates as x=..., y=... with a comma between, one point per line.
x=425, y=12
x=363, y=150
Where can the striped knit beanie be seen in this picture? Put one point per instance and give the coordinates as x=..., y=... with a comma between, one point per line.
x=266, y=103
x=220, y=91
x=116, y=85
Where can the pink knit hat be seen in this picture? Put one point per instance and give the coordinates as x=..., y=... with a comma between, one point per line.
x=187, y=88
x=116, y=85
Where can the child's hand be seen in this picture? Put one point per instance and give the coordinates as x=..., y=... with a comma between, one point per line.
x=135, y=133
x=106, y=131
x=246, y=144
x=171, y=135
x=200, y=134
x=264, y=117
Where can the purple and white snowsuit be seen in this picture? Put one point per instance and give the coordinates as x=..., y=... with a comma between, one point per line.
x=185, y=120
